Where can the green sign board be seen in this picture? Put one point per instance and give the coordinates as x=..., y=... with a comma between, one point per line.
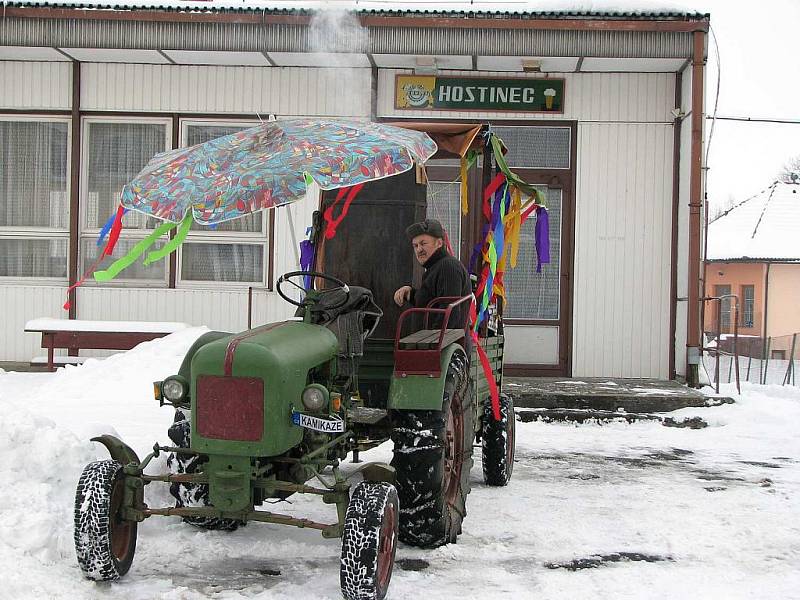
x=431, y=92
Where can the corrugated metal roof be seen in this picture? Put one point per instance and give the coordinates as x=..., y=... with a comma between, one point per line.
x=764, y=227
x=475, y=9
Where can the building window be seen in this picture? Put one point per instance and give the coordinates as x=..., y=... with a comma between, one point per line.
x=778, y=354
x=115, y=151
x=533, y=295
x=236, y=251
x=537, y=147
x=34, y=197
x=724, y=307
x=748, y=305
x=444, y=205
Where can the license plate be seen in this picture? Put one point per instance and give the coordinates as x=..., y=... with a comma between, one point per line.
x=318, y=424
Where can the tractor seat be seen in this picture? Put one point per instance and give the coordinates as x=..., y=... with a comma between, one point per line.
x=428, y=339
x=352, y=323
x=329, y=307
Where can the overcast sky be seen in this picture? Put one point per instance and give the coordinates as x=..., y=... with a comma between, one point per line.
x=759, y=50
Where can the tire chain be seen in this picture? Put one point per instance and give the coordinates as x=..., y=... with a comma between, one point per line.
x=361, y=539
x=494, y=443
x=418, y=451
x=92, y=533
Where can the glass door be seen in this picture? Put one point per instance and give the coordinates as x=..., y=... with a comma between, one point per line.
x=538, y=310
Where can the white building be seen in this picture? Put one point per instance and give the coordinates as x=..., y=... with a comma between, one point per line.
x=88, y=96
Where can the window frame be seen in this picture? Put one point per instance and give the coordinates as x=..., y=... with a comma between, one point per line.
x=751, y=323
x=39, y=233
x=85, y=232
x=263, y=238
x=725, y=320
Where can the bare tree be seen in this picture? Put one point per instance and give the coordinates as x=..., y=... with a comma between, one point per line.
x=791, y=171
x=716, y=210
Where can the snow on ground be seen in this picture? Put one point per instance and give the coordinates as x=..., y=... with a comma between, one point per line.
x=655, y=512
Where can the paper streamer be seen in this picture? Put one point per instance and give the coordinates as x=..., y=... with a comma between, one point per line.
x=172, y=245
x=135, y=253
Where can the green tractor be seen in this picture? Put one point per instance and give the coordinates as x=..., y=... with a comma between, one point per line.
x=276, y=410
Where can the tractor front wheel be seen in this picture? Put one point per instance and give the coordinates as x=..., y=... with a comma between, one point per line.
x=497, y=442
x=432, y=459
x=104, y=542
x=369, y=541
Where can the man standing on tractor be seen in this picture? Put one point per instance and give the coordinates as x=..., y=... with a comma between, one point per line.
x=444, y=274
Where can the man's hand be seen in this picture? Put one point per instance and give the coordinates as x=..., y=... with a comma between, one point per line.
x=402, y=295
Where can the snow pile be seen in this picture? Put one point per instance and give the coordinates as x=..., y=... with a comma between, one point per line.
x=47, y=421
x=41, y=463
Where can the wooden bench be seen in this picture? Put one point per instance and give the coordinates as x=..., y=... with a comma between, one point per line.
x=77, y=334
x=428, y=339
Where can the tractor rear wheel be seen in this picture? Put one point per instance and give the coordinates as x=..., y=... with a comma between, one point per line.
x=497, y=442
x=432, y=459
x=369, y=541
x=104, y=542
x=191, y=494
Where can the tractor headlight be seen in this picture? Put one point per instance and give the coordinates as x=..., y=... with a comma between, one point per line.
x=315, y=397
x=174, y=388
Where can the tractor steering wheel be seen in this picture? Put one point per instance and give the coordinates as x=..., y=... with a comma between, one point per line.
x=287, y=278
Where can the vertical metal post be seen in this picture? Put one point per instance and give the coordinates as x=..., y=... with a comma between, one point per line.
x=719, y=340
x=766, y=361
x=730, y=369
x=695, y=229
x=749, y=358
x=250, y=307
x=790, y=368
x=735, y=357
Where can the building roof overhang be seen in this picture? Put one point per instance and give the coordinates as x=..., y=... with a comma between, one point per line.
x=275, y=33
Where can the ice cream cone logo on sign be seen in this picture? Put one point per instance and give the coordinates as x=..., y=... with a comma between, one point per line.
x=549, y=96
x=415, y=92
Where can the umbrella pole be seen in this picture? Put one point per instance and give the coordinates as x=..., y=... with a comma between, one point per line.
x=295, y=243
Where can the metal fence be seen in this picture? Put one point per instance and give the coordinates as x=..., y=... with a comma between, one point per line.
x=770, y=360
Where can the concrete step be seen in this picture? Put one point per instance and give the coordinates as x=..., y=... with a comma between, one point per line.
x=579, y=416
x=606, y=394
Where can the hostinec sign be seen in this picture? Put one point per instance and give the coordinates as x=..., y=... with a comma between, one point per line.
x=431, y=92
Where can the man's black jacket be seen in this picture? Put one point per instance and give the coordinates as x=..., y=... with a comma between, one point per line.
x=444, y=276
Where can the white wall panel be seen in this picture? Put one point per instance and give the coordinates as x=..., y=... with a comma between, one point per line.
x=627, y=97
x=622, y=250
x=18, y=305
x=35, y=85
x=220, y=89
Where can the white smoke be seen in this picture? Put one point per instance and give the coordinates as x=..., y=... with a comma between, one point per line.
x=339, y=35
x=336, y=30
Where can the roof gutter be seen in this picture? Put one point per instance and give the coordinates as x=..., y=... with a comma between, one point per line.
x=571, y=24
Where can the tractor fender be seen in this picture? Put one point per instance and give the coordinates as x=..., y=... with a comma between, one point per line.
x=119, y=450
x=422, y=392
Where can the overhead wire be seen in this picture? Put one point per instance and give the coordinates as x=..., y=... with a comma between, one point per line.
x=716, y=95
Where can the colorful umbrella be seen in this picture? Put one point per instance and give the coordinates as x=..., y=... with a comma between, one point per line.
x=270, y=165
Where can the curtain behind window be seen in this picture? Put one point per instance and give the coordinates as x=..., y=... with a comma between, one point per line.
x=236, y=254
x=33, y=179
x=117, y=152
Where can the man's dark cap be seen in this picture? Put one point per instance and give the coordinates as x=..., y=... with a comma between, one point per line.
x=428, y=226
